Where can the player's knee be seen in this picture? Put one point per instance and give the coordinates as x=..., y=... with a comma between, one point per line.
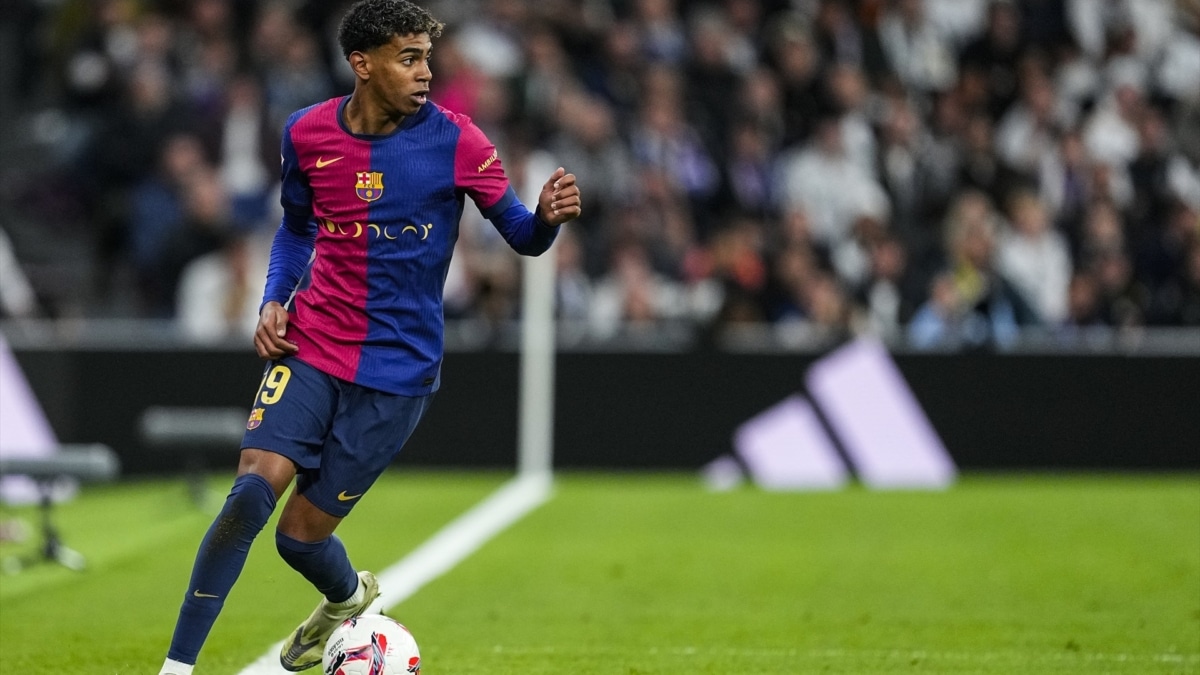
x=290, y=548
x=276, y=470
x=251, y=500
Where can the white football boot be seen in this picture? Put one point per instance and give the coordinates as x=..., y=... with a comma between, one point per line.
x=302, y=649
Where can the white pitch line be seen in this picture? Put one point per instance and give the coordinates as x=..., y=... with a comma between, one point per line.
x=439, y=554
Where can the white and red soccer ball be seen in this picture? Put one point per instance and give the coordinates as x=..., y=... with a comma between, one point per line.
x=371, y=644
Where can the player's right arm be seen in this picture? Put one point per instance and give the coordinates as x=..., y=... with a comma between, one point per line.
x=291, y=252
x=270, y=338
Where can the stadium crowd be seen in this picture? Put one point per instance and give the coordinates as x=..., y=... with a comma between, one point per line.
x=945, y=170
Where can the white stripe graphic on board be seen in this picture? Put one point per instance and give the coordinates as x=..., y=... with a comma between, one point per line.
x=785, y=448
x=438, y=555
x=879, y=421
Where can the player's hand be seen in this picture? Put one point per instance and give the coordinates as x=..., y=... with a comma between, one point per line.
x=269, y=340
x=559, y=200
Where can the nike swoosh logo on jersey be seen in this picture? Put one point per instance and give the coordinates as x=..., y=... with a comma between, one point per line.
x=198, y=594
x=343, y=497
x=322, y=162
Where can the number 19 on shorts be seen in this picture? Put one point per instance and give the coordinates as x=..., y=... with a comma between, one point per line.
x=273, y=383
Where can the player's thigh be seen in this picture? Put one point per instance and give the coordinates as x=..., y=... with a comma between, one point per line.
x=368, y=431
x=293, y=412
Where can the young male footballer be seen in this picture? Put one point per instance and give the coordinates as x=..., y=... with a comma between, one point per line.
x=351, y=323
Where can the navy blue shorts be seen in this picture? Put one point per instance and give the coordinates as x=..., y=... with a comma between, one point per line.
x=340, y=435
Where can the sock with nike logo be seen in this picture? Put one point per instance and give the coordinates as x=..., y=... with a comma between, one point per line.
x=324, y=563
x=219, y=561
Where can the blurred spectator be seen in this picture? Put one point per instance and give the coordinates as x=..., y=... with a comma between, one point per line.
x=206, y=226
x=491, y=39
x=1083, y=302
x=207, y=76
x=846, y=37
x=710, y=79
x=248, y=152
x=103, y=51
x=573, y=291
x=1163, y=261
x=849, y=97
x=1175, y=74
x=957, y=21
x=666, y=144
x=981, y=169
x=993, y=56
x=828, y=185
x=220, y=292
x=1096, y=26
x=908, y=164
x=891, y=291
x=971, y=304
x=1067, y=183
x=1160, y=177
x=157, y=216
x=736, y=254
x=748, y=172
x=793, y=270
x=290, y=61
x=760, y=104
x=662, y=35
x=1177, y=302
x=743, y=21
x=125, y=150
x=619, y=73
x=1110, y=131
x=795, y=57
x=1032, y=124
x=589, y=143
x=828, y=307
x=633, y=293
x=919, y=53
x=1103, y=231
x=1035, y=257
x=1122, y=299
x=540, y=85
x=458, y=80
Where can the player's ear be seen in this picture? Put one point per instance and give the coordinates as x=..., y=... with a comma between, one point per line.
x=360, y=64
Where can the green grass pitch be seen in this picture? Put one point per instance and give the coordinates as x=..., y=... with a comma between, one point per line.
x=651, y=574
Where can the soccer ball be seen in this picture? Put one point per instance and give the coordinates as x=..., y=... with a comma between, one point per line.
x=371, y=644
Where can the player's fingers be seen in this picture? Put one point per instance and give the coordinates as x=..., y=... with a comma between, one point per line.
x=282, y=345
x=565, y=202
x=565, y=183
x=261, y=346
x=565, y=213
x=555, y=178
x=568, y=197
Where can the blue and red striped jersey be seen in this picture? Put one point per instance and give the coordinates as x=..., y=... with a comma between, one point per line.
x=378, y=218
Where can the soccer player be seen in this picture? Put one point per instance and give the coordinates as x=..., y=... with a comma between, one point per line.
x=373, y=188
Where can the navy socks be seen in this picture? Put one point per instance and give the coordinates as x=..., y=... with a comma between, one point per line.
x=324, y=563
x=219, y=561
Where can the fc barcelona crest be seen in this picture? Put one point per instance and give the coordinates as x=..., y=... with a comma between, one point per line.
x=256, y=418
x=369, y=186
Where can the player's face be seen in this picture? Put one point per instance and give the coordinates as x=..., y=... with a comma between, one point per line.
x=400, y=72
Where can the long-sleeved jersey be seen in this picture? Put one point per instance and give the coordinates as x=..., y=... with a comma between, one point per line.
x=378, y=216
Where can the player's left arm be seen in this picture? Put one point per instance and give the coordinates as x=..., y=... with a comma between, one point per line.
x=479, y=172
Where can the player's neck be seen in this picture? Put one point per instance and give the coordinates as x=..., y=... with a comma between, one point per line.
x=366, y=117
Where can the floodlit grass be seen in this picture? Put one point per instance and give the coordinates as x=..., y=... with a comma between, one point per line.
x=651, y=574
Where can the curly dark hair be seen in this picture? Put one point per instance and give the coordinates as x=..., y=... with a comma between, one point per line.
x=373, y=23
